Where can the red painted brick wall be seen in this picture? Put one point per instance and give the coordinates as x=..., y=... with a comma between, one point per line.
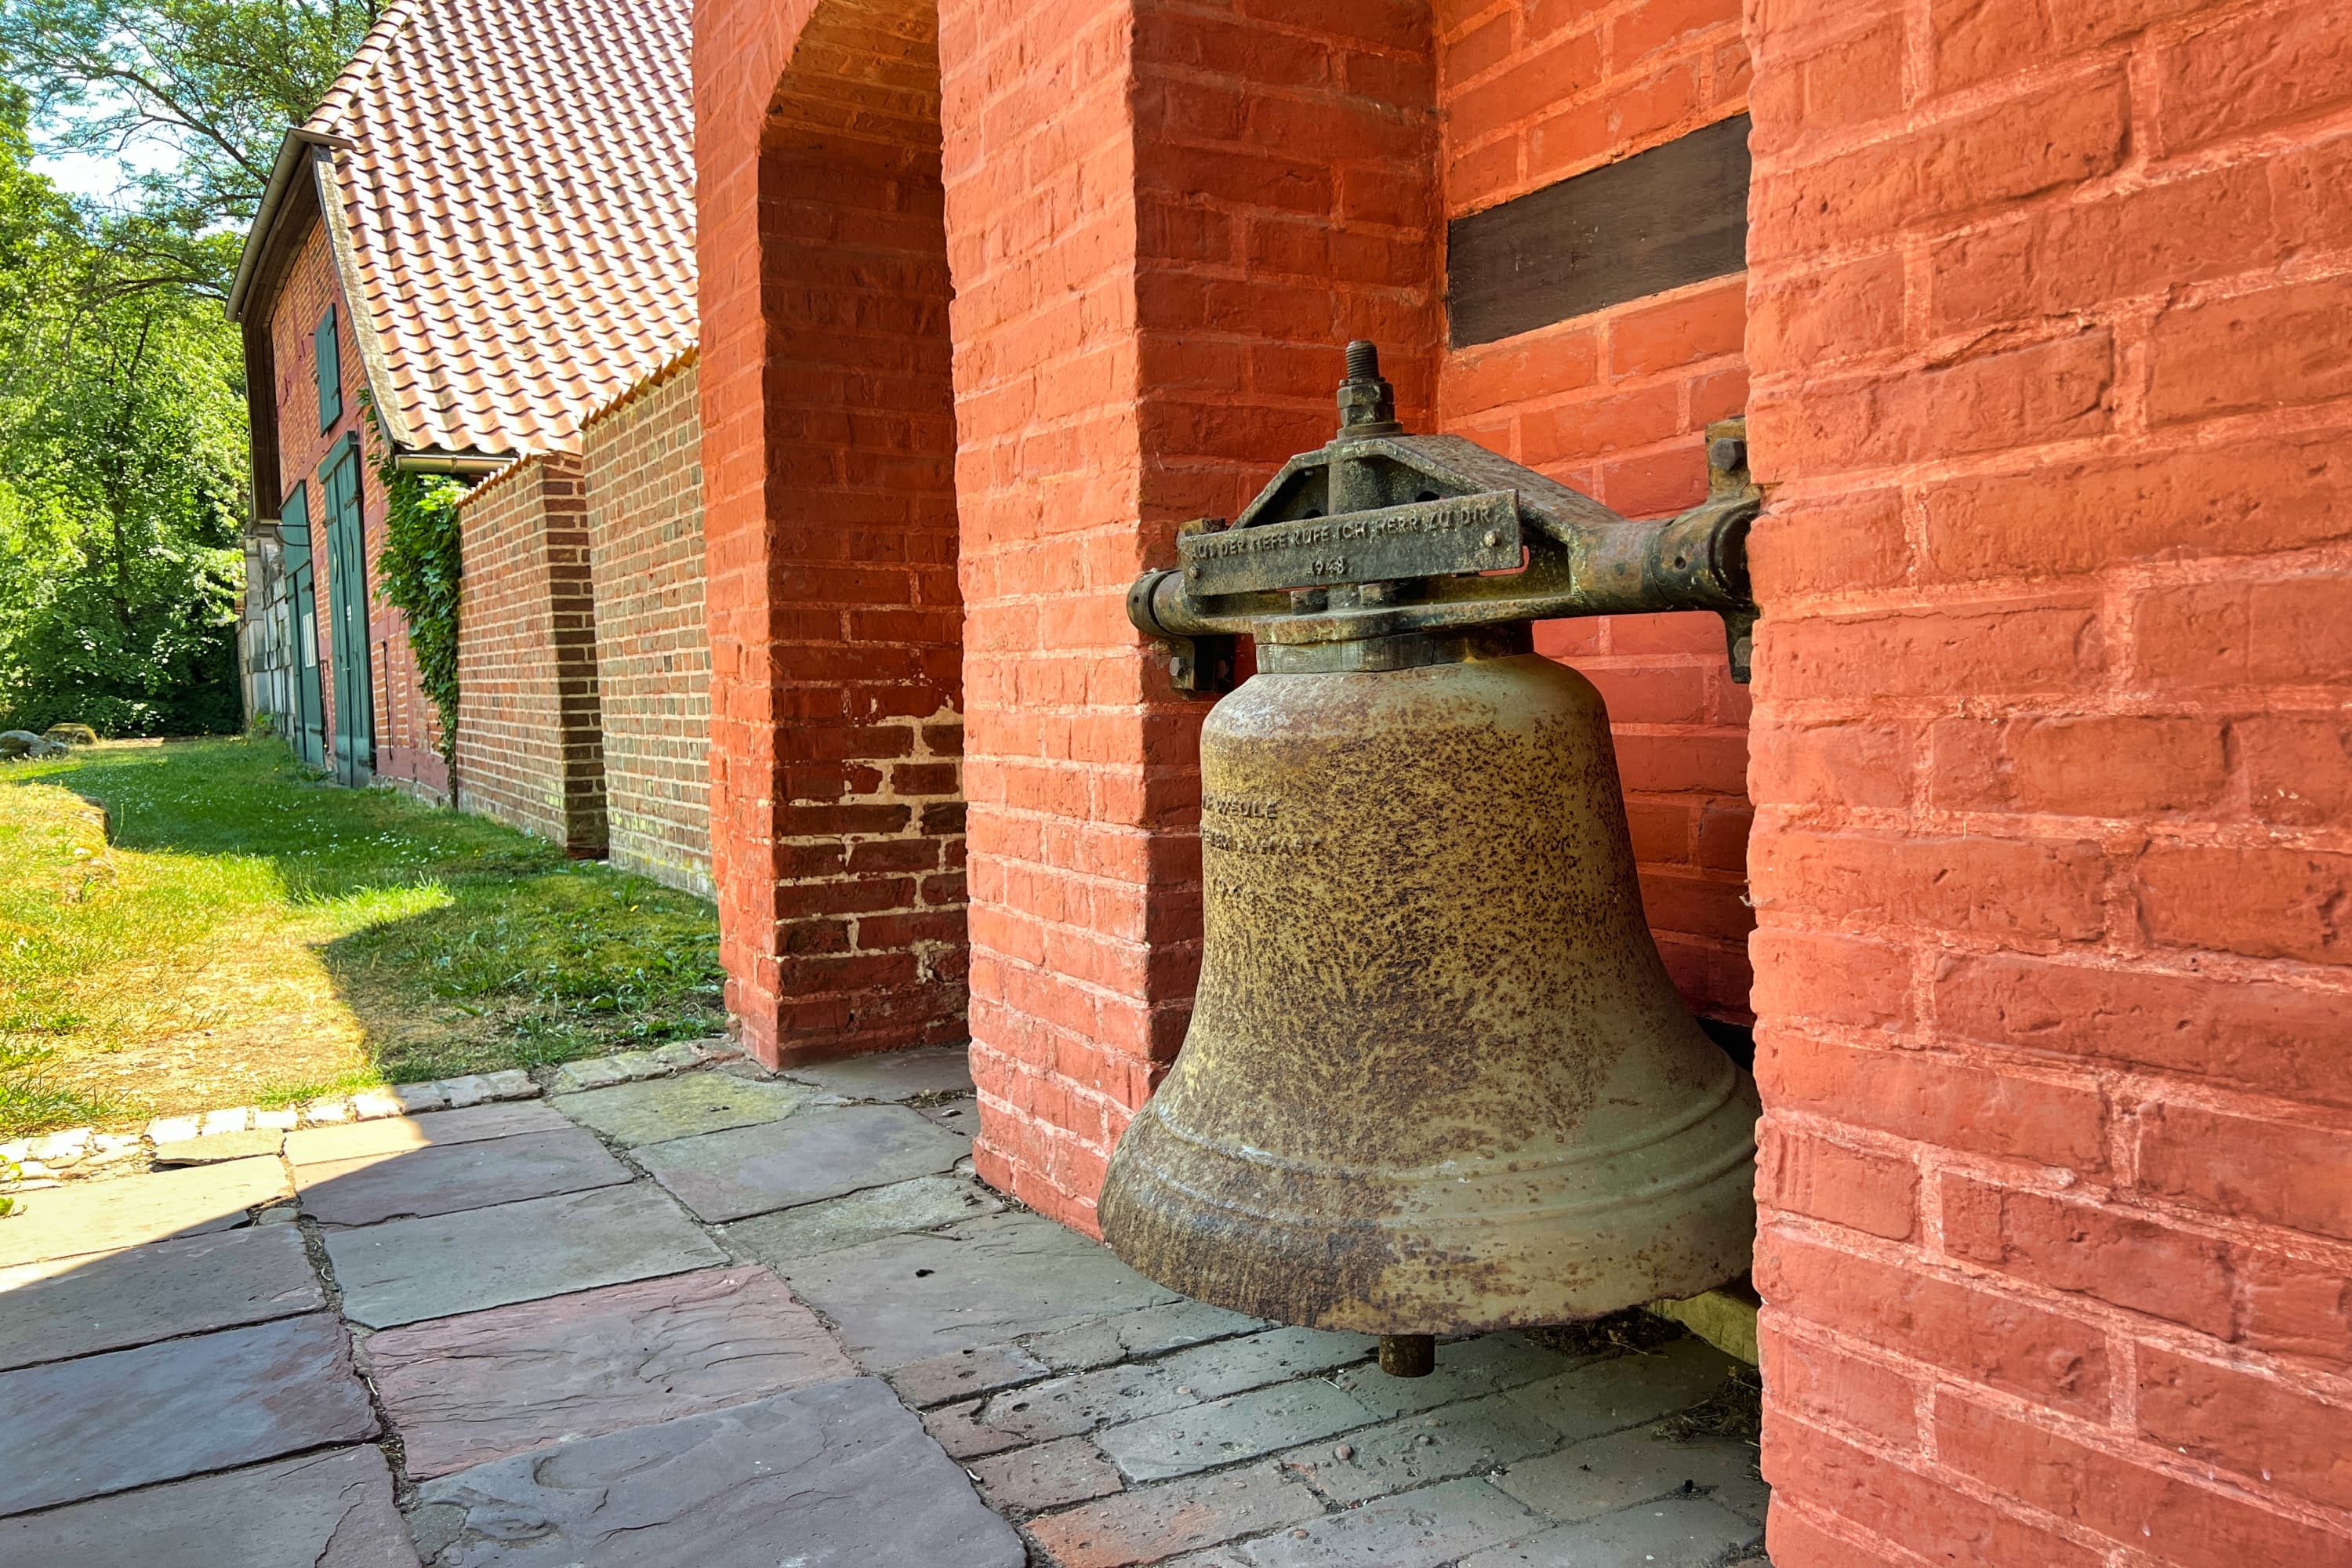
x=836, y=624
x=2048, y=315
x=407, y=732
x=530, y=751
x=1164, y=220
x=643, y=465
x=1614, y=404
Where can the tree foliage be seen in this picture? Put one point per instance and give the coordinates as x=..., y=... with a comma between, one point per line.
x=123, y=439
x=208, y=86
x=121, y=458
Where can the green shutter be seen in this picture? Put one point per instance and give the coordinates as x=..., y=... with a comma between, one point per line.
x=347, y=597
x=329, y=356
x=294, y=543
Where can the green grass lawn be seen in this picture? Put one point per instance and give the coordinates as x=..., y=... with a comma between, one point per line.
x=231, y=930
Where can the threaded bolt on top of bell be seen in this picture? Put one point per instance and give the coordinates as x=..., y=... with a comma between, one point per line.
x=1367, y=402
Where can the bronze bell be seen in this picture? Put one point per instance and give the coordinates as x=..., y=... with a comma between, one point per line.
x=1437, y=1079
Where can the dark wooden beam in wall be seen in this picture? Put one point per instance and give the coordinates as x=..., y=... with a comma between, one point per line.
x=1675, y=215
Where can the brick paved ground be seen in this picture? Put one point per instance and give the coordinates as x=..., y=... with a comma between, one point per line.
x=724, y=1319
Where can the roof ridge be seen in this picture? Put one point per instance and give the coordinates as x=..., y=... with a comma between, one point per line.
x=326, y=119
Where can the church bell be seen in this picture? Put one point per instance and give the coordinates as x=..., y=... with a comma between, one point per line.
x=1437, y=1079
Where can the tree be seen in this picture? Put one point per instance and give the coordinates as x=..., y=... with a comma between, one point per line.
x=123, y=440
x=122, y=452
x=215, y=84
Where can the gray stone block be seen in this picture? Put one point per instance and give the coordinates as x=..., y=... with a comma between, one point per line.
x=73, y=1307
x=467, y=1390
x=961, y=1117
x=1610, y=1395
x=212, y=1148
x=1419, y=1450
x=400, y=1134
x=913, y=1298
x=1467, y=1369
x=129, y=1211
x=1150, y=1332
x=1686, y=1532
x=1129, y=1391
x=661, y=1109
x=107, y=1423
x=893, y=1074
x=1157, y=1522
x=1605, y=1474
x=447, y=1177
x=837, y=1476
x=815, y=1155
x=927, y=1203
x=956, y=1429
x=333, y=1510
x=409, y=1269
x=959, y=1374
x=1415, y=1530
x=1050, y=1475
x=1228, y=1431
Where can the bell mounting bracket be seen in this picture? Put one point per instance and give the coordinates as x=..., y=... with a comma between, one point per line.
x=1381, y=535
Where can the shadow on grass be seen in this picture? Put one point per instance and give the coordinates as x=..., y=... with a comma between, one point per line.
x=455, y=944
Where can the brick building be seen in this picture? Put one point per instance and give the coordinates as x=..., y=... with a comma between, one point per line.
x=2037, y=315
x=484, y=233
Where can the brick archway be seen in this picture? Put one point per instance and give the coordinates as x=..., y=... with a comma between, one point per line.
x=837, y=622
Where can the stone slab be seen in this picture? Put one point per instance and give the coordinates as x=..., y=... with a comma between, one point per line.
x=80, y=1306
x=961, y=1117
x=662, y=1108
x=1685, y=1532
x=1610, y=1395
x=1605, y=1474
x=399, y=1134
x=1113, y=1395
x=211, y=1149
x=893, y=1074
x=107, y=1423
x=1153, y=1330
x=444, y=1178
x=464, y=1391
x=959, y=1374
x=1048, y=1474
x=912, y=1297
x=815, y=1155
x=836, y=1475
x=333, y=1510
x=1159, y=1521
x=927, y=1203
x=1467, y=1369
x=1467, y=1439
x=129, y=1211
x=410, y=1269
x=1227, y=1431
x=1414, y=1530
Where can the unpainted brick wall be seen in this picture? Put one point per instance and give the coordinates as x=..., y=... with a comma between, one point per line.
x=530, y=751
x=835, y=622
x=407, y=732
x=1614, y=404
x=1165, y=221
x=641, y=459
x=2048, y=316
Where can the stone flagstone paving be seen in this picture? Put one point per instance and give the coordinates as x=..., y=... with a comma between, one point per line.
x=729, y=1318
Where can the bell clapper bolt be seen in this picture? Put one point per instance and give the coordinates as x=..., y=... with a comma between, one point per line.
x=1437, y=1080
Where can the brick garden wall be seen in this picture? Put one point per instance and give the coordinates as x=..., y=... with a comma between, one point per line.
x=1164, y=222
x=528, y=749
x=1614, y=403
x=835, y=625
x=407, y=732
x=2048, y=316
x=642, y=462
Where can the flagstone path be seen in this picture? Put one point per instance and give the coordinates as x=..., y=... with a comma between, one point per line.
x=723, y=1319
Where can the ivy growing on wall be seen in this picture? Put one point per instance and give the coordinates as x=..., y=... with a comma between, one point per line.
x=418, y=572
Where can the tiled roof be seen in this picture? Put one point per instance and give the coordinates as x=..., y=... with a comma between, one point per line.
x=518, y=209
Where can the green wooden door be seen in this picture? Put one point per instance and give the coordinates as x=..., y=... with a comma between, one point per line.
x=309, y=735
x=347, y=591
